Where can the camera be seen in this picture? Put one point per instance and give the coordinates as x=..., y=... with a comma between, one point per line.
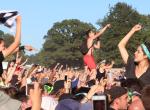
x=29, y=85
x=100, y=102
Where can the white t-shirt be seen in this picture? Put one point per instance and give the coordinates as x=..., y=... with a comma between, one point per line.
x=48, y=103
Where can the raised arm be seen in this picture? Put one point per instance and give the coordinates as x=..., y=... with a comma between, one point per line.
x=36, y=97
x=124, y=41
x=24, y=47
x=17, y=39
x=101, y=31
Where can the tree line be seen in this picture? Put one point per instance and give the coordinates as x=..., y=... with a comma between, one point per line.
x=62, y=41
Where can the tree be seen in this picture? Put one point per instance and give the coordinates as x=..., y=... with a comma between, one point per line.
x=122, y=17
x=62, y=43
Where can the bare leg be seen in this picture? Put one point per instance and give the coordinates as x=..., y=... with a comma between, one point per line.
x=93, y=74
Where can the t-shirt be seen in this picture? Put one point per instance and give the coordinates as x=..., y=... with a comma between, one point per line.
x=100, y=75
x=130, y=72
x=48, y=103
x=1, y=60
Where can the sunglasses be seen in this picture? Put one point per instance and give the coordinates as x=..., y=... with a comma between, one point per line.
x=48, y=89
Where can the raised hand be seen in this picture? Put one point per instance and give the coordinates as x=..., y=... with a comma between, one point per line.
x=35, y=95
x=137, y=27
x=108, y=25
x=29, y=48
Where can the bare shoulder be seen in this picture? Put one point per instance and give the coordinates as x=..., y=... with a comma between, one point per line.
x=136, y=105
x=89, y=41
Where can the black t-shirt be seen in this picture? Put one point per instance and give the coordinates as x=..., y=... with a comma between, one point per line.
x=130, y=72
x=110, y=108
x=100, y=75
x=1, y=60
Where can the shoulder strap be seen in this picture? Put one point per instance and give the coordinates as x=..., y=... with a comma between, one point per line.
x=91, y=45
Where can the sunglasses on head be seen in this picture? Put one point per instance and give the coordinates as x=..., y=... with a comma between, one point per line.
x=48, y=89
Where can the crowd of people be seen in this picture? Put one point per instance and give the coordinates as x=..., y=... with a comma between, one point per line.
x=97, y=87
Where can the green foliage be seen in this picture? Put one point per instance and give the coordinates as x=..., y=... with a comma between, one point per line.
x=8, y=39
x=62, y=43
x=62, y=40
x=122, y=18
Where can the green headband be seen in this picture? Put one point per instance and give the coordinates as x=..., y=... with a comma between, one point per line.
x=48, y=89
x=146, y=50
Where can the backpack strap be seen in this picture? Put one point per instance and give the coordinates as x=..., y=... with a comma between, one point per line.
x=91, y=47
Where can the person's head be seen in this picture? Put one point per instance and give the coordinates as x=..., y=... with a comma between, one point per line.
x=90, y=33
x=102, y=63
x=58, y=88
x=12, y=63
x=7, y=103
x=142, y=53
x=68, y=104
x=47, y=88
x=118, y=97
x=121, y=102
x=2, y=44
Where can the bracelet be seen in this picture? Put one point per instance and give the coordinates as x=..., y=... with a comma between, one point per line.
x=84, y=100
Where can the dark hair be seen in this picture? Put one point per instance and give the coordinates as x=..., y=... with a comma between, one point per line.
x=108, y=62
x=87, y=32
x=132, y=84
x=11, y=91
x=146, y=97
x=14, y=60
x=147, y=44
x=1, y=40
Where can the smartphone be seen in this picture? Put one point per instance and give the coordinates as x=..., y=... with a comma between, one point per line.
x=29, y=85
x=5, y=65
x=65, y=77
x=100, y=102
x=33, y=79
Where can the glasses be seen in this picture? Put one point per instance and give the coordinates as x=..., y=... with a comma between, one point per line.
x=48, y=89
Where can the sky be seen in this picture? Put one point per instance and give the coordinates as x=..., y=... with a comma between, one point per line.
x=38, y=16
